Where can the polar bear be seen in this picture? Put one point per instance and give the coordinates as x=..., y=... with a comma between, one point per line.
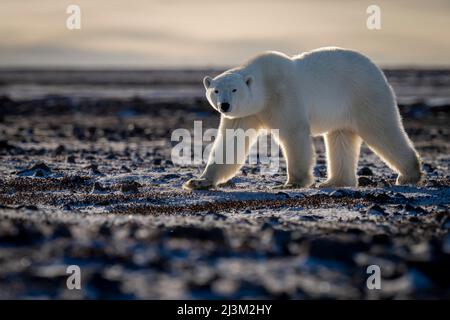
x=334, y=92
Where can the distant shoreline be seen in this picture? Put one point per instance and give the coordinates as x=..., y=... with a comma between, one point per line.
x=411, y=85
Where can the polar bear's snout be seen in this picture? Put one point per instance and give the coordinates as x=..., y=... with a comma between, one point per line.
x=224, y=106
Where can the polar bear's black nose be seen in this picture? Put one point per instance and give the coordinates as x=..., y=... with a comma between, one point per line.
x=224, y=106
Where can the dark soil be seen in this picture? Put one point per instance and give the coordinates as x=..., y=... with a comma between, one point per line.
x=90, y=182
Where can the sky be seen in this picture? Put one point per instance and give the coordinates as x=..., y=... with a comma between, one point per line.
x=210, y=33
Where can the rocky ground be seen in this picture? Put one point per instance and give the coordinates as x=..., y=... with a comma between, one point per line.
x=88, y=180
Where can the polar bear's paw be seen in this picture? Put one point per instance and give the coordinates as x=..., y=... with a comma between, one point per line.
x=288, y=186
x=332, y=183
x=414, y=179
x=294, y=185
x=198, y=184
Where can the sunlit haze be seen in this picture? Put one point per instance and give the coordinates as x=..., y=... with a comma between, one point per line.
x=175, y=33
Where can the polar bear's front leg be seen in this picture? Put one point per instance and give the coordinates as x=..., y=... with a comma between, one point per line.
x=298, y=151
x=228, y=153
x=342, y=149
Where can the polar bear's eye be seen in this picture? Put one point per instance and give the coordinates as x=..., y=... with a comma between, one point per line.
x=234, y=90
x=216, y=91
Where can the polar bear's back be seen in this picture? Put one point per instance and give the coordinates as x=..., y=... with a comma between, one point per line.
x=329, y=67
x=335, y=86
x=340, y=64
x=336, y=82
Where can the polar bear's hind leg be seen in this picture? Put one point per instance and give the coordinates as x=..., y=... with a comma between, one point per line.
x=384, y=134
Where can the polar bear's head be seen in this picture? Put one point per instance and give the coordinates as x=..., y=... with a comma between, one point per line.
x=232, y=94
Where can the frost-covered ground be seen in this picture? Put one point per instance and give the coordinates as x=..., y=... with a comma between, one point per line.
x=86, y=178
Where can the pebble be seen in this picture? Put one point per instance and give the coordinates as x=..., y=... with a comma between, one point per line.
x=70, y=159
x=40, y=169
x=384, y=184
x=93, y=168
x=376, y=210
x=60, y=150
x=364, y=181
x=125, y=169
x=5, y=145
x=365, y=171
x=97, y=187
x=41, y=166
x=415, y=210
x=428, y=168
x=130, y=187
x=285, y=194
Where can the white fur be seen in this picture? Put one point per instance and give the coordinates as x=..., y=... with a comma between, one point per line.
x=333, y=92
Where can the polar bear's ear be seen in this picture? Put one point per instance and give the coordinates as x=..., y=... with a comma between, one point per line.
x=207, y=81
x=248, y=80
